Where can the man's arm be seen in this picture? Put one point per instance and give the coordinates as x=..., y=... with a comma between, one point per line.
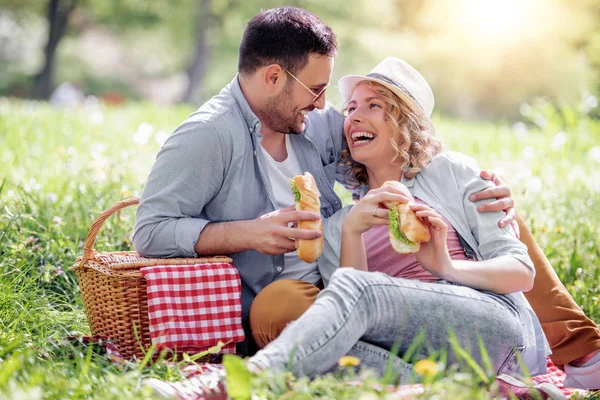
x=503, y=200
x=187, y=174
x=269, y=234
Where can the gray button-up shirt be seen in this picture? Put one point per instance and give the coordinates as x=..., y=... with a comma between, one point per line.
x=211, y=170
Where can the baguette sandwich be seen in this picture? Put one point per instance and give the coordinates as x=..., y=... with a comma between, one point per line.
x=407, y=231
x=307, y=196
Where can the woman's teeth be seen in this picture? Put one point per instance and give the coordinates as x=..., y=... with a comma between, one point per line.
x=362, y=137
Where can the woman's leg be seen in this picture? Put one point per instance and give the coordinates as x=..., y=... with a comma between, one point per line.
x=570, y=333
x=382, y=310
x=284, y=301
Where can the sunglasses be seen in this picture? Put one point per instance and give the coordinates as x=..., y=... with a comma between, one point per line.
x=312, y=92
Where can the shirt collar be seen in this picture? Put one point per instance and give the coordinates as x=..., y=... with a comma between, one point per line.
x=249, y=117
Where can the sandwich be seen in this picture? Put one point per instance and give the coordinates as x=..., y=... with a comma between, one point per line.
x=407, y=231
x=307, y=196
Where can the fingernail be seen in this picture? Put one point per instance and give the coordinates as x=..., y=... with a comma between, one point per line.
x=473, y=197
x=480, y=208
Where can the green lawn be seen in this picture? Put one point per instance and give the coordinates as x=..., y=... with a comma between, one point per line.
x=61, y=168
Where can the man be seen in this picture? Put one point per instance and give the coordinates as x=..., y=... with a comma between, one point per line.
x=220, y=183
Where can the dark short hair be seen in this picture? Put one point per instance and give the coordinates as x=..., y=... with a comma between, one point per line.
x=286, y=36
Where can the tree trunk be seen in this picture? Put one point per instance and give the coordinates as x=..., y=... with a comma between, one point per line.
x=58, y=16
x=200, y=62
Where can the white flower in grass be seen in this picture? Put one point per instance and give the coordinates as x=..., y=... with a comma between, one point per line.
x=525, y=109
x=51, y=198
x=577, y=174
x=143, y=133
x=32, y=186
x=559, y=140
x=57, y=220
x=534, y=185
x=589, y=102
x=529, y=153
x=594, y=153
x=520, y=130
x=96, y=117
x=540, y=120
x=161, y=137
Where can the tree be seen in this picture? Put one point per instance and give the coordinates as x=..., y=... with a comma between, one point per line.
x=201, y=58
x=58, y=16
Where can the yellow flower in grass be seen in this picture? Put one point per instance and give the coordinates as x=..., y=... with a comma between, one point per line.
x=426, y=368
x=349, y=361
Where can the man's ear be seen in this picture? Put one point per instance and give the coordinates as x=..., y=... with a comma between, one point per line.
x=273, y=78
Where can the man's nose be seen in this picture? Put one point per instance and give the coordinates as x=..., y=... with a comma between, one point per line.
x=320, y=102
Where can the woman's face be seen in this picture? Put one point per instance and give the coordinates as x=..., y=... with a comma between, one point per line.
x=366, y=129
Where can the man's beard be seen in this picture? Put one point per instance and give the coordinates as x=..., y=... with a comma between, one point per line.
x=279, y=113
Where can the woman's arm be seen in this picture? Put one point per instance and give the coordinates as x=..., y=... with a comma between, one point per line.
x=353, y=252
x=502, y=274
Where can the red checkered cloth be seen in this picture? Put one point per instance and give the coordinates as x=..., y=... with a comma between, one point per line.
x=557, y=377
x=554, y=375
x=193, y=307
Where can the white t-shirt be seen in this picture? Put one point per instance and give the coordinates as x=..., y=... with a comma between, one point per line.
x=280, y=174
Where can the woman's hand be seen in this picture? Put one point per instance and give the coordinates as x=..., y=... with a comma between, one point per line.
x=433, y=255
x=369, y=211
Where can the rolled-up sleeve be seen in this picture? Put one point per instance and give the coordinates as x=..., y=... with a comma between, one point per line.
x=186, y=175
x=492, y=240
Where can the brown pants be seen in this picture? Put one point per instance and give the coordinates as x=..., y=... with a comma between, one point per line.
x=570, y=333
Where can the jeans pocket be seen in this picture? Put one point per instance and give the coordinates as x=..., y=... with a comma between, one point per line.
x=511, y=365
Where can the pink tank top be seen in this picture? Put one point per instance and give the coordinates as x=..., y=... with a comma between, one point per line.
x=381, y=257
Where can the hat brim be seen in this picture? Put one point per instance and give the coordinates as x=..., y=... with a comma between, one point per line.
x=348, y=83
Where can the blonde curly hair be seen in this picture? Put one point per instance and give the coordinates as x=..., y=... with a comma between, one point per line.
x=412, y=138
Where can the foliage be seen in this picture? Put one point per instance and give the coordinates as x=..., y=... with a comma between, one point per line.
x=476, y=66
x=62, y=167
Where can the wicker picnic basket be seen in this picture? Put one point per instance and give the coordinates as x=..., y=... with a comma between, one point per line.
x=114, y=291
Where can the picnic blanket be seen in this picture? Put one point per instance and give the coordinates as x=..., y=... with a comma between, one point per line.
x=554, y=375
x=193, y=307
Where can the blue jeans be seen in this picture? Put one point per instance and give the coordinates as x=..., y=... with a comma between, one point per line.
x=365, y=313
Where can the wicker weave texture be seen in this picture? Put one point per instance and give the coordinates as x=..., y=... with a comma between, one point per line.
x=113, y=289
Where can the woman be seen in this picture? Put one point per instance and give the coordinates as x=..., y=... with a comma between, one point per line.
x=390, y=137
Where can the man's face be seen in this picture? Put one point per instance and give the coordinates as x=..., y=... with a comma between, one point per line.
x=286, y=111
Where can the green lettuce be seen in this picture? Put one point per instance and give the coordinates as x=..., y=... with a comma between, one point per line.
x=295, y=191
x=395, y=226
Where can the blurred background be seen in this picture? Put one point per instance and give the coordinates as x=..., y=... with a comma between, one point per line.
x=485, y=59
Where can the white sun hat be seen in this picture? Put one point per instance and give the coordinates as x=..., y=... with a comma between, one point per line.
x=400, y=78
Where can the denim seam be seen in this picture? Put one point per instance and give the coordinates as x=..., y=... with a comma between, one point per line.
x=368, y=349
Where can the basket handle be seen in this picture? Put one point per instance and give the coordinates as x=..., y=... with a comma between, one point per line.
x=93, y=232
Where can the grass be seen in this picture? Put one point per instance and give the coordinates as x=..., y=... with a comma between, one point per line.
x=61, y=168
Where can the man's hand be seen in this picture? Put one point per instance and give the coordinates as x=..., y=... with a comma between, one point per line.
x=272, y=234
x=504, y=200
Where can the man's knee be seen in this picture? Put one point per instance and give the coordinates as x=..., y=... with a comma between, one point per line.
x=277, y=305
